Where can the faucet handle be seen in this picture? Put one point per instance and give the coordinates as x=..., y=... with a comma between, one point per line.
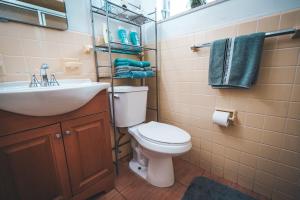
x=53, y=80
x=34, y=81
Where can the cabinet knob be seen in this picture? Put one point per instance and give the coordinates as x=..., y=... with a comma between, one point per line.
x=68, y=132
x=58, y=135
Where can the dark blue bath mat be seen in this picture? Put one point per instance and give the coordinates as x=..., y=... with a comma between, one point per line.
x=203, y=188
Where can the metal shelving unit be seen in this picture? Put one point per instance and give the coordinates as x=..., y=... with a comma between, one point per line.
x=123, y=15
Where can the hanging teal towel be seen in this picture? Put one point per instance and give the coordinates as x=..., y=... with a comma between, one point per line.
x=130, y=62
x=135, y=74
x=234, y=62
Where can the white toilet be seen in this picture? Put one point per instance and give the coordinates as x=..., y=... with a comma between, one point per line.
x=154, y=143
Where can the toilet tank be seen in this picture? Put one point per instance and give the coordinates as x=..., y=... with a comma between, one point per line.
x=130, y=105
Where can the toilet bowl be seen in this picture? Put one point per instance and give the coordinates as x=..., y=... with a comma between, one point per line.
x=153, y=143
x=156, y=144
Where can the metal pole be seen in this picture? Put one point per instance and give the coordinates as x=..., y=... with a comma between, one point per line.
x=94, y=42
x=156, y=65
x=112, y=91
x=142, y=52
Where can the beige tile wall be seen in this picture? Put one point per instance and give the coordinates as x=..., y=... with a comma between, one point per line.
x=262, y=150
x=23, y=48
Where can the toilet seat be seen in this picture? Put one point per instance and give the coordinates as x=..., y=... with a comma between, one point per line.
x=157, y=144
x=164, y=134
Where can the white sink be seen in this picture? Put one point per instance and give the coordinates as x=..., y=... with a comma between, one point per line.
x=70, y=95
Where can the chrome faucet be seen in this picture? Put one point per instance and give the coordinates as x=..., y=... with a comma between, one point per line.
x=44, y=76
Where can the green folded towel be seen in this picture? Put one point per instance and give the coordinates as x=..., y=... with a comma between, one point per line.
x=235, y=62
x=120, y=63
x=127, y=68
x=148, y=68
x=142, y=74
x=131, y=62
x=135, y=74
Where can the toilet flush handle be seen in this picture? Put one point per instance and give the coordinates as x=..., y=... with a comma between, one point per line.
x=116, y=96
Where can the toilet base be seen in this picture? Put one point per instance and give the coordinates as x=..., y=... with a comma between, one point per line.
x=160, y=169
x=138, y=169
x=159, y=172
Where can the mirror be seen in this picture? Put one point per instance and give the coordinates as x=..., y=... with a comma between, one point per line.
x=45, y=13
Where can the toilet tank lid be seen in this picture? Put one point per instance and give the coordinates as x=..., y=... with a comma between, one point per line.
x=126, y=89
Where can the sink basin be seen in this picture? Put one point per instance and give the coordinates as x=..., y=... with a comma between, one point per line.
x=70, y=95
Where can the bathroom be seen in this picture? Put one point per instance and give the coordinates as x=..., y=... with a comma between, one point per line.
x=157, y=99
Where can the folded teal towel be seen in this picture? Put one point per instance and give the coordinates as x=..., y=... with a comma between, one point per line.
x=235, y=62
x=135, y=74
x=130, y=62
x=126, y=68
x=148, y=68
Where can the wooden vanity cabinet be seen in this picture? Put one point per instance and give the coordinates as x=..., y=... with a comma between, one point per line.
x=57, y=157
x=33, y=166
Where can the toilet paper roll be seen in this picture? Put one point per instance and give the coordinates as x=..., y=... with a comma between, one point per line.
x=221, y=118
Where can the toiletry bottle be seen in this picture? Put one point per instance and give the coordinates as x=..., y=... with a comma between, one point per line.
x=134, y=38
x=122, y=34
x=106, y=35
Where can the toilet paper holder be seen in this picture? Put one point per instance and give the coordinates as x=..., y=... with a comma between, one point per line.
x=232, y=112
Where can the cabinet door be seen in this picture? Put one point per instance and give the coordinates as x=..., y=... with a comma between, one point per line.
x=33, y=165
x=88, y=150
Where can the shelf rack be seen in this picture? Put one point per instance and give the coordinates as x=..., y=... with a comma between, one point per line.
x=121, y=14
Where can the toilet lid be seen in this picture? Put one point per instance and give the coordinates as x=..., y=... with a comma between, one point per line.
x=163, y=133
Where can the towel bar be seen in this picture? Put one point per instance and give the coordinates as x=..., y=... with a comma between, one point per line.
x=294, y=31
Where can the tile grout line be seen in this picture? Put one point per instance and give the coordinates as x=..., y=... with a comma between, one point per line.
x=121, y=193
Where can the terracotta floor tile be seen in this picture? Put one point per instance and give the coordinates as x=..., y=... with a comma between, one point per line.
x=112, y=195
x=185, y=172
x=129, y=186
x=141, y=190
x=125, y=178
